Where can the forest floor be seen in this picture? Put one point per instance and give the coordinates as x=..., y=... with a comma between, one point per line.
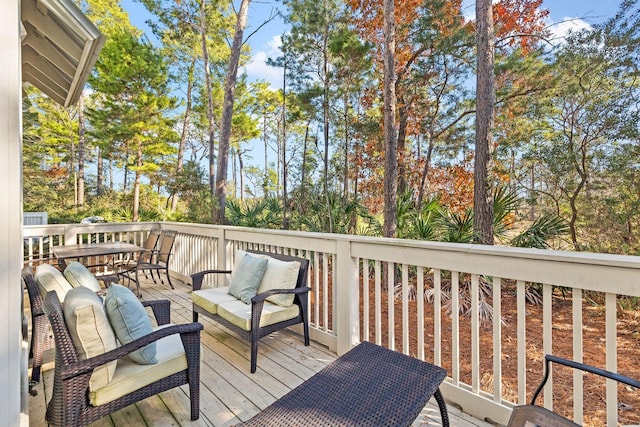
x=628, y=340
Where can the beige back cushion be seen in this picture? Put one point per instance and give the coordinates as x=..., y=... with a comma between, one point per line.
x=280, y=275
x=90, y=331
x=78, y=275
x=49, y=279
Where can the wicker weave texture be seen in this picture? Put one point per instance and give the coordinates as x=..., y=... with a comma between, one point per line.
x=41, y=338
x=368, y=386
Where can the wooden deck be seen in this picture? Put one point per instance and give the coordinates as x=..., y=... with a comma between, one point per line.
x=229, y=393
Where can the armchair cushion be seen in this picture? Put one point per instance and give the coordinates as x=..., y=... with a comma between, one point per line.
x=50, y=278
x=130, y=321
x=210, y=298
x=79, y=275
x=239, y=313
x=90, y=331
x=280, y=275
x=130, y=376
x=246, y=279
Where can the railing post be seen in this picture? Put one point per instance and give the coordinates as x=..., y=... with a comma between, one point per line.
x=223, y=254
x=347, y=297
x=70, y=235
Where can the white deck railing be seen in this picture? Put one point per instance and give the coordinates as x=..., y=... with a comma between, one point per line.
x=364, y=289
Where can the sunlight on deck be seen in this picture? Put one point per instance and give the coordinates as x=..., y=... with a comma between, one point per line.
x=229, y=393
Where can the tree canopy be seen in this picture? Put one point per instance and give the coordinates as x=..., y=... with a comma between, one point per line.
x=392, y=119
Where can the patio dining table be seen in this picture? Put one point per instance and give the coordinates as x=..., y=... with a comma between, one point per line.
x=367, y=386
x=109, y=250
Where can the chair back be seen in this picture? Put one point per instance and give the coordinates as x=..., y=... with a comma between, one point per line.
x=152, y=239
x=65, y=350
x=35, y=298
x=166, y=245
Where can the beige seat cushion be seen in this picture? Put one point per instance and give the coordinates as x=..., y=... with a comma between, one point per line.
x=211, y=297
x=49, y=279
x=239, y=313
x=78, y=275
x=131, y=376
x=90, y=331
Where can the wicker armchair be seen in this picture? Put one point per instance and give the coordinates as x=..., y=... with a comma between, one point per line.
x=41, y=338
x=70, y=404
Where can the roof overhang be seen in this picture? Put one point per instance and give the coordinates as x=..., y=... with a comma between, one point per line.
x=60, y=48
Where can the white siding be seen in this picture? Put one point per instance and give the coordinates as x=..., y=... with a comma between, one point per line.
x=11, y=391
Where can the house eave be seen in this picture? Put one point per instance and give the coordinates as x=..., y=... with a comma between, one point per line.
x=59, y=49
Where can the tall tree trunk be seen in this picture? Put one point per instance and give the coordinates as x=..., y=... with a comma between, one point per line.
x=278, y=162
x=185, y=130
x=265, y=183
x=389, y=95
x=73, y=167
x=325, y=120
x=345, y=192
x=99, y=173
x=303, y=179
x=207, y=74
x=532, y=194
x=485, y=99
x=285, y=190
x=403, y=122
x=285, y=169
x=81, y=151
x=111, y=180
x=303, y=172
x=425, y=173
x=125, y=179
x=227, y=112
x=240, y=169
x=136, y=184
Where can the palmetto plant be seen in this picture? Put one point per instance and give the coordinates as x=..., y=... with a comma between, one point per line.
x=343, y=213
x=256, y=213
x=417, y=223
x=456, y=228
x=538, y=235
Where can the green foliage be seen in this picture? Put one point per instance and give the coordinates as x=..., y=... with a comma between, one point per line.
x=541, y=232
x=567, y=126
x=257, y=213
x=414, y=223
x=456, y=228
x=344, y=216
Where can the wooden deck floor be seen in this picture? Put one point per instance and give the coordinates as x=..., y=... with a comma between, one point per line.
x=229, y=393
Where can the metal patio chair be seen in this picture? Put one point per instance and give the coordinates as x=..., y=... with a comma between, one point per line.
x=527, y=415
x=153, y=260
